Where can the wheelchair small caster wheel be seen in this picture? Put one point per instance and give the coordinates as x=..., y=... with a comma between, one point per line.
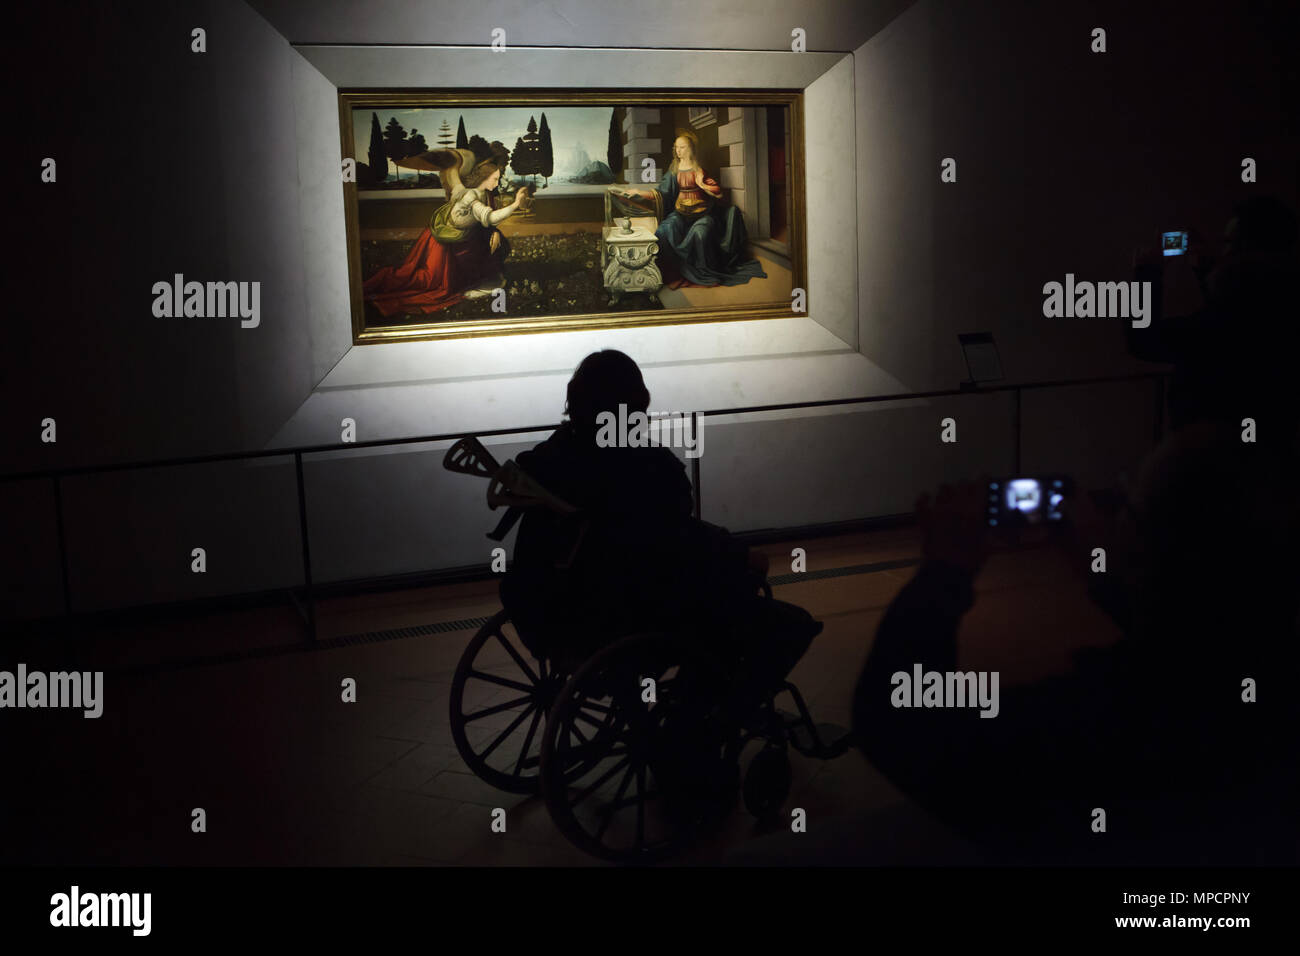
x=767, y=782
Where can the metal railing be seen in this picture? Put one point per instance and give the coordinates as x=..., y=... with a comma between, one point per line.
x=309, y=588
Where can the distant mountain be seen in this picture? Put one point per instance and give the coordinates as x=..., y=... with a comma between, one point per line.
x=574, y=159
x=594, y=172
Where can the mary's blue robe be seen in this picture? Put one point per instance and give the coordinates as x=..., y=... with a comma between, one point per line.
x=710, y=248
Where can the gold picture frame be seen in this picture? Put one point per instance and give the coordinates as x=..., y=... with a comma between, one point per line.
x=794, y=225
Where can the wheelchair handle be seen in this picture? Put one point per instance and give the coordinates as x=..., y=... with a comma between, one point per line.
x=508, y=484
x=513, y=486
x=469, y=457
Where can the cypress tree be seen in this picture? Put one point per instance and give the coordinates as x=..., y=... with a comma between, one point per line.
x=378, y=161
x=615, y=151
x=546, y=164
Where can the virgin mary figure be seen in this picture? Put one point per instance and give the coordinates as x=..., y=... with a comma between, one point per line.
x=701, y=237
x=461, y=246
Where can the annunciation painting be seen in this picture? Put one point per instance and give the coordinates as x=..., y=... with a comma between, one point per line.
x=485, y=213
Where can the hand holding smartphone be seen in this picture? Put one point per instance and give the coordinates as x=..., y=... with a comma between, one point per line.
x=1023, y=501
x=1174, y=243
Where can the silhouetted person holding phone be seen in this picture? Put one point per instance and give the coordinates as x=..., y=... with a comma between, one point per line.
x=1233, y=358
x=1156, y=729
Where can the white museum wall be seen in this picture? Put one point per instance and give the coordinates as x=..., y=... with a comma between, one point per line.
x=667, y=24
x=212, y=164
x=131, y=535
x=128, y=115
x=1053, y=177
x=278, y=174
x=847, y=463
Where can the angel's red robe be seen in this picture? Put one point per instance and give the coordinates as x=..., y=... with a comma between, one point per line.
x=437, y=271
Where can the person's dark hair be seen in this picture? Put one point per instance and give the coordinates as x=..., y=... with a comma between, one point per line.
x=602, y=382
x=1264, y=224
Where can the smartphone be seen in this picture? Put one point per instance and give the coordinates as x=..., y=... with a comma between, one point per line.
x=1173, y=243
x=1020, y=501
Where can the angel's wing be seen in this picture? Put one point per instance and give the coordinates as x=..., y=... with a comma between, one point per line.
x=451, y=163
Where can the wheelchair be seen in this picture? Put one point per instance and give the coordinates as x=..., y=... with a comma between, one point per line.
x=632, y=746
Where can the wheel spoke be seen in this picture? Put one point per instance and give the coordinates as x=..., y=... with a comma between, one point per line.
x=605, y=776
x=618, y=802
x=504, y=734
x=488, y=712
x=503, y=681
x=523, y=664
x=528, y=741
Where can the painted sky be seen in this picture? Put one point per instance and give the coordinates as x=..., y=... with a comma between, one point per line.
x=576, y=131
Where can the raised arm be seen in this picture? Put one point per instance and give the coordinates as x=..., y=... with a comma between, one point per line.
x=486, y=215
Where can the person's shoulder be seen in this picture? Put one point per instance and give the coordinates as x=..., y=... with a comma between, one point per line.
x=560, y=443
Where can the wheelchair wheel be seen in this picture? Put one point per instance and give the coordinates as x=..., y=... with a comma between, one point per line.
x=631, y=780
x=499, y=703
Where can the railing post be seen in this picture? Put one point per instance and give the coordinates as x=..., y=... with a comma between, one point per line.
x=695, y=462
x=306, y=548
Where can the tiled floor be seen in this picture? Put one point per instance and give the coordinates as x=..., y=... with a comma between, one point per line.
x=289, y=773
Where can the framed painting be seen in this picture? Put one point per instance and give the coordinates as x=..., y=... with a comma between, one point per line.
x=498, y=212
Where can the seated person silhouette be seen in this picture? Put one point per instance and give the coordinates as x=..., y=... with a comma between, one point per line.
x=643, y=562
